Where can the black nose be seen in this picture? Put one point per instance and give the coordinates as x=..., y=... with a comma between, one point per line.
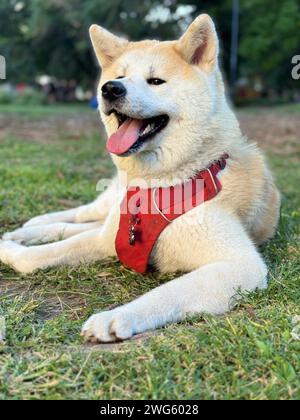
x=113, y=91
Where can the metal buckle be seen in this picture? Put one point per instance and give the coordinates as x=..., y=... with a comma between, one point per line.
x=213, y=180
x=157, y=208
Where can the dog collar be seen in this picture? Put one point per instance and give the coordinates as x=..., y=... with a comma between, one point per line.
x=145, y=213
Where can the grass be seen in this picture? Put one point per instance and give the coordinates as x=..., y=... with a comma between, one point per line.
x=289, y=108
x=248, y=354
x=36, y=111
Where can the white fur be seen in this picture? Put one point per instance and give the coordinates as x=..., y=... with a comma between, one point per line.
x=211, y=243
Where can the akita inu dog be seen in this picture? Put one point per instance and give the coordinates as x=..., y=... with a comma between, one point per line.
x=169, y=124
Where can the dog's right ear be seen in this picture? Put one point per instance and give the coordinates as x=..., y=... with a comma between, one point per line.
x=107, y=46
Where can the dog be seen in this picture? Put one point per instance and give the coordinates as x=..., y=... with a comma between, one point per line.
x=169, y=123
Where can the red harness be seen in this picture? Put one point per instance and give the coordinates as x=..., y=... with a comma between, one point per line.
x=145, y=213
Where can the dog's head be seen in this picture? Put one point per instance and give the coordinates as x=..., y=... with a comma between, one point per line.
x=158, y=99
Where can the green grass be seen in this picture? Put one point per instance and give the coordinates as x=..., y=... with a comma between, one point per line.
x=40, y=111
x=248, y=354
x=256, y=109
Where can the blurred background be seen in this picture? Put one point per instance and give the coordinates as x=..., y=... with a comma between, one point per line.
x=49, y=57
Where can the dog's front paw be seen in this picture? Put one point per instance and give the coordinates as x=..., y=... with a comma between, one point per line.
x=108, y=327
x=8, y=250
x=15, y=256
x=19, y=236
x=34, y=235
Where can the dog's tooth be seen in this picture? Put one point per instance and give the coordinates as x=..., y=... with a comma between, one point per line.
x=147, y=129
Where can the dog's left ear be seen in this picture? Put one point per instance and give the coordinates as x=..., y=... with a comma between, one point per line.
x=200, y=45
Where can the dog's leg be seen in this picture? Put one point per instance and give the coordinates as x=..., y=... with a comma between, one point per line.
x=210, y=289
x=82, y=214
x=86, y=247
x=94, y=212
x=49, y=233
x=227, y=261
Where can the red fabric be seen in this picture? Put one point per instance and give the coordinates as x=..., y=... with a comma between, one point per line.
x=140, y=215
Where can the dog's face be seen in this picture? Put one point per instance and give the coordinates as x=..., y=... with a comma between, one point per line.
x=157, y=99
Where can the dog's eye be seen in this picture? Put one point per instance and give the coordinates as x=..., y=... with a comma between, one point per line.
x=156, y=82
x=120, y=77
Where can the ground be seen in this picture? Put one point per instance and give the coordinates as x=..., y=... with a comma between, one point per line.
x=51, y=158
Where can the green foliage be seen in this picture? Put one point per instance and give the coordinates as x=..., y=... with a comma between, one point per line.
x=51, y=37
x=5, y=98
x=271, y=37
x=30, y=97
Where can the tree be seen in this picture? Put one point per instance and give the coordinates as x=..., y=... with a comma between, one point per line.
x=15, y=39
x=51, y=36
x=270, y=38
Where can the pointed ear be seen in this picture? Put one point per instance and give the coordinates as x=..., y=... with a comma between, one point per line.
x=200, y=45
x=107, y=46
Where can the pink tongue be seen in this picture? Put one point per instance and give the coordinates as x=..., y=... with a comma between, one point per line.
x=128, y=134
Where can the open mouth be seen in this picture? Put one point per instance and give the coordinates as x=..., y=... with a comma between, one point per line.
x=133, y=133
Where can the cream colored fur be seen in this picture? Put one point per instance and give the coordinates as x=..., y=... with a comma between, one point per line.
x=215, y=244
